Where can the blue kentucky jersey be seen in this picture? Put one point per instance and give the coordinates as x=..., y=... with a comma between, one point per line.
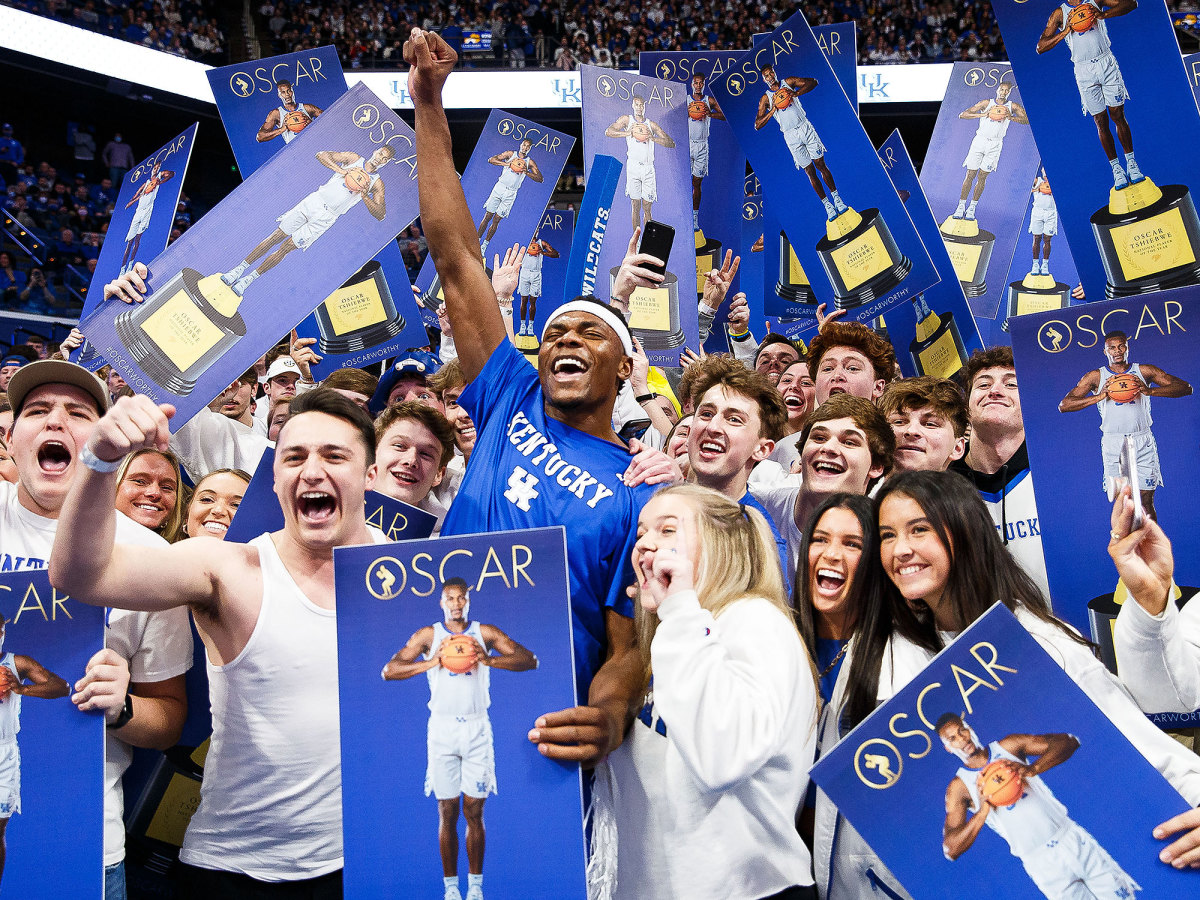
x=529, y=471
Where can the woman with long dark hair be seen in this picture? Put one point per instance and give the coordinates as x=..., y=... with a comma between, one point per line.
x=844, y=617
x=942, y=553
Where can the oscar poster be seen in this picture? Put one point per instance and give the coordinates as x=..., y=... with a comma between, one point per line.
x=508, y=183
x=976, y=174
x=1114, y=118
x=266, y=106
x=991, y=774
x=821, y=177
x=448, y=651
x=643, y=122
x=264, y=257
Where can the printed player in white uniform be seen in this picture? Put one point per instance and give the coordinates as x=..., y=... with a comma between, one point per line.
x=15, y=671
x=1131, y=417
x=516, y=165
x=529, y=285
x=354, y=179
x=144, y=197
x=461, y=758
x=701, y=111
x=1043, y=223
x=276, y=121
x=808, y=153
x=994, y=115
x=1097, y=75
x=1060, y=857
x=640, y=134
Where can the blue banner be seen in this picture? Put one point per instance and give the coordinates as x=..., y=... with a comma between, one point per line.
x=542, y=283
x=52, y=778
x=595, y=210
x=255, y=265
x=956, y=743
x=448, y=652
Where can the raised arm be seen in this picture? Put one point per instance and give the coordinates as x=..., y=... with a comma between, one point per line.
x=88, y=564
x=449, y=228
x=510, y=655
x=407, y=662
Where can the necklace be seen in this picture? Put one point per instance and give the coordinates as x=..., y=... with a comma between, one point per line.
x=834, y=661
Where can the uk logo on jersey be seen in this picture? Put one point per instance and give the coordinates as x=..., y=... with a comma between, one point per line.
x=521, y=488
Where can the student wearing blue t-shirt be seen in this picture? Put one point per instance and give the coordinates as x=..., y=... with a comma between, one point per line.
x=738, y=418
x=545, y=451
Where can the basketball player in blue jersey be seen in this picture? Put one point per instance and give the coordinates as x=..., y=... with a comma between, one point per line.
x=517, y=164
x=545, y=452
x=275, y=124
x=1129, y=417
x=994, y=115
x=15, y=672
x=461, y=756
x=529, y=284
x=301, y=225
x=1098, y=77
x=640, y=134
x=702, y=109
x=1043, y=222
x=1059, y=856
x=808, y=153
x=144, y=197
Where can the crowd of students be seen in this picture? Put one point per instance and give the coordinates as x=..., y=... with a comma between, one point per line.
x=773, y=559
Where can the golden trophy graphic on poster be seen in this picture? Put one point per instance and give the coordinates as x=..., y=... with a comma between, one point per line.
x=858, y=252
x=1039, y=290
x=938, y=347
x=1148, y=235
x=192, y=320
x=360, y=314
x=970, y=247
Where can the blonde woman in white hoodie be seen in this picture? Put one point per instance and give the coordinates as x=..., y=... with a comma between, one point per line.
x=706, y=786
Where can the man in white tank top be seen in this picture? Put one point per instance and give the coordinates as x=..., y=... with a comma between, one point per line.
x=144, y=197
x=270, y=808
x=15, y=672
x=1130, y=416
x=1098, y=77
x=316, y=213
x=808, y=153
x=515, y=165
x=461, y=758
x=641, y=134
x=994, y=116
x=276, y=122
x=1061, y=858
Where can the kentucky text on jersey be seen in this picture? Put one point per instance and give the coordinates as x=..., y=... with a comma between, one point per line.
x=544, y=456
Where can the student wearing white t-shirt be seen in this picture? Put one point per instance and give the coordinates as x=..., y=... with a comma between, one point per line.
x=138, y=679
x=270, y=809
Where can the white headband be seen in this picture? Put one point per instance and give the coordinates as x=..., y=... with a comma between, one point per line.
x=610, y=318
